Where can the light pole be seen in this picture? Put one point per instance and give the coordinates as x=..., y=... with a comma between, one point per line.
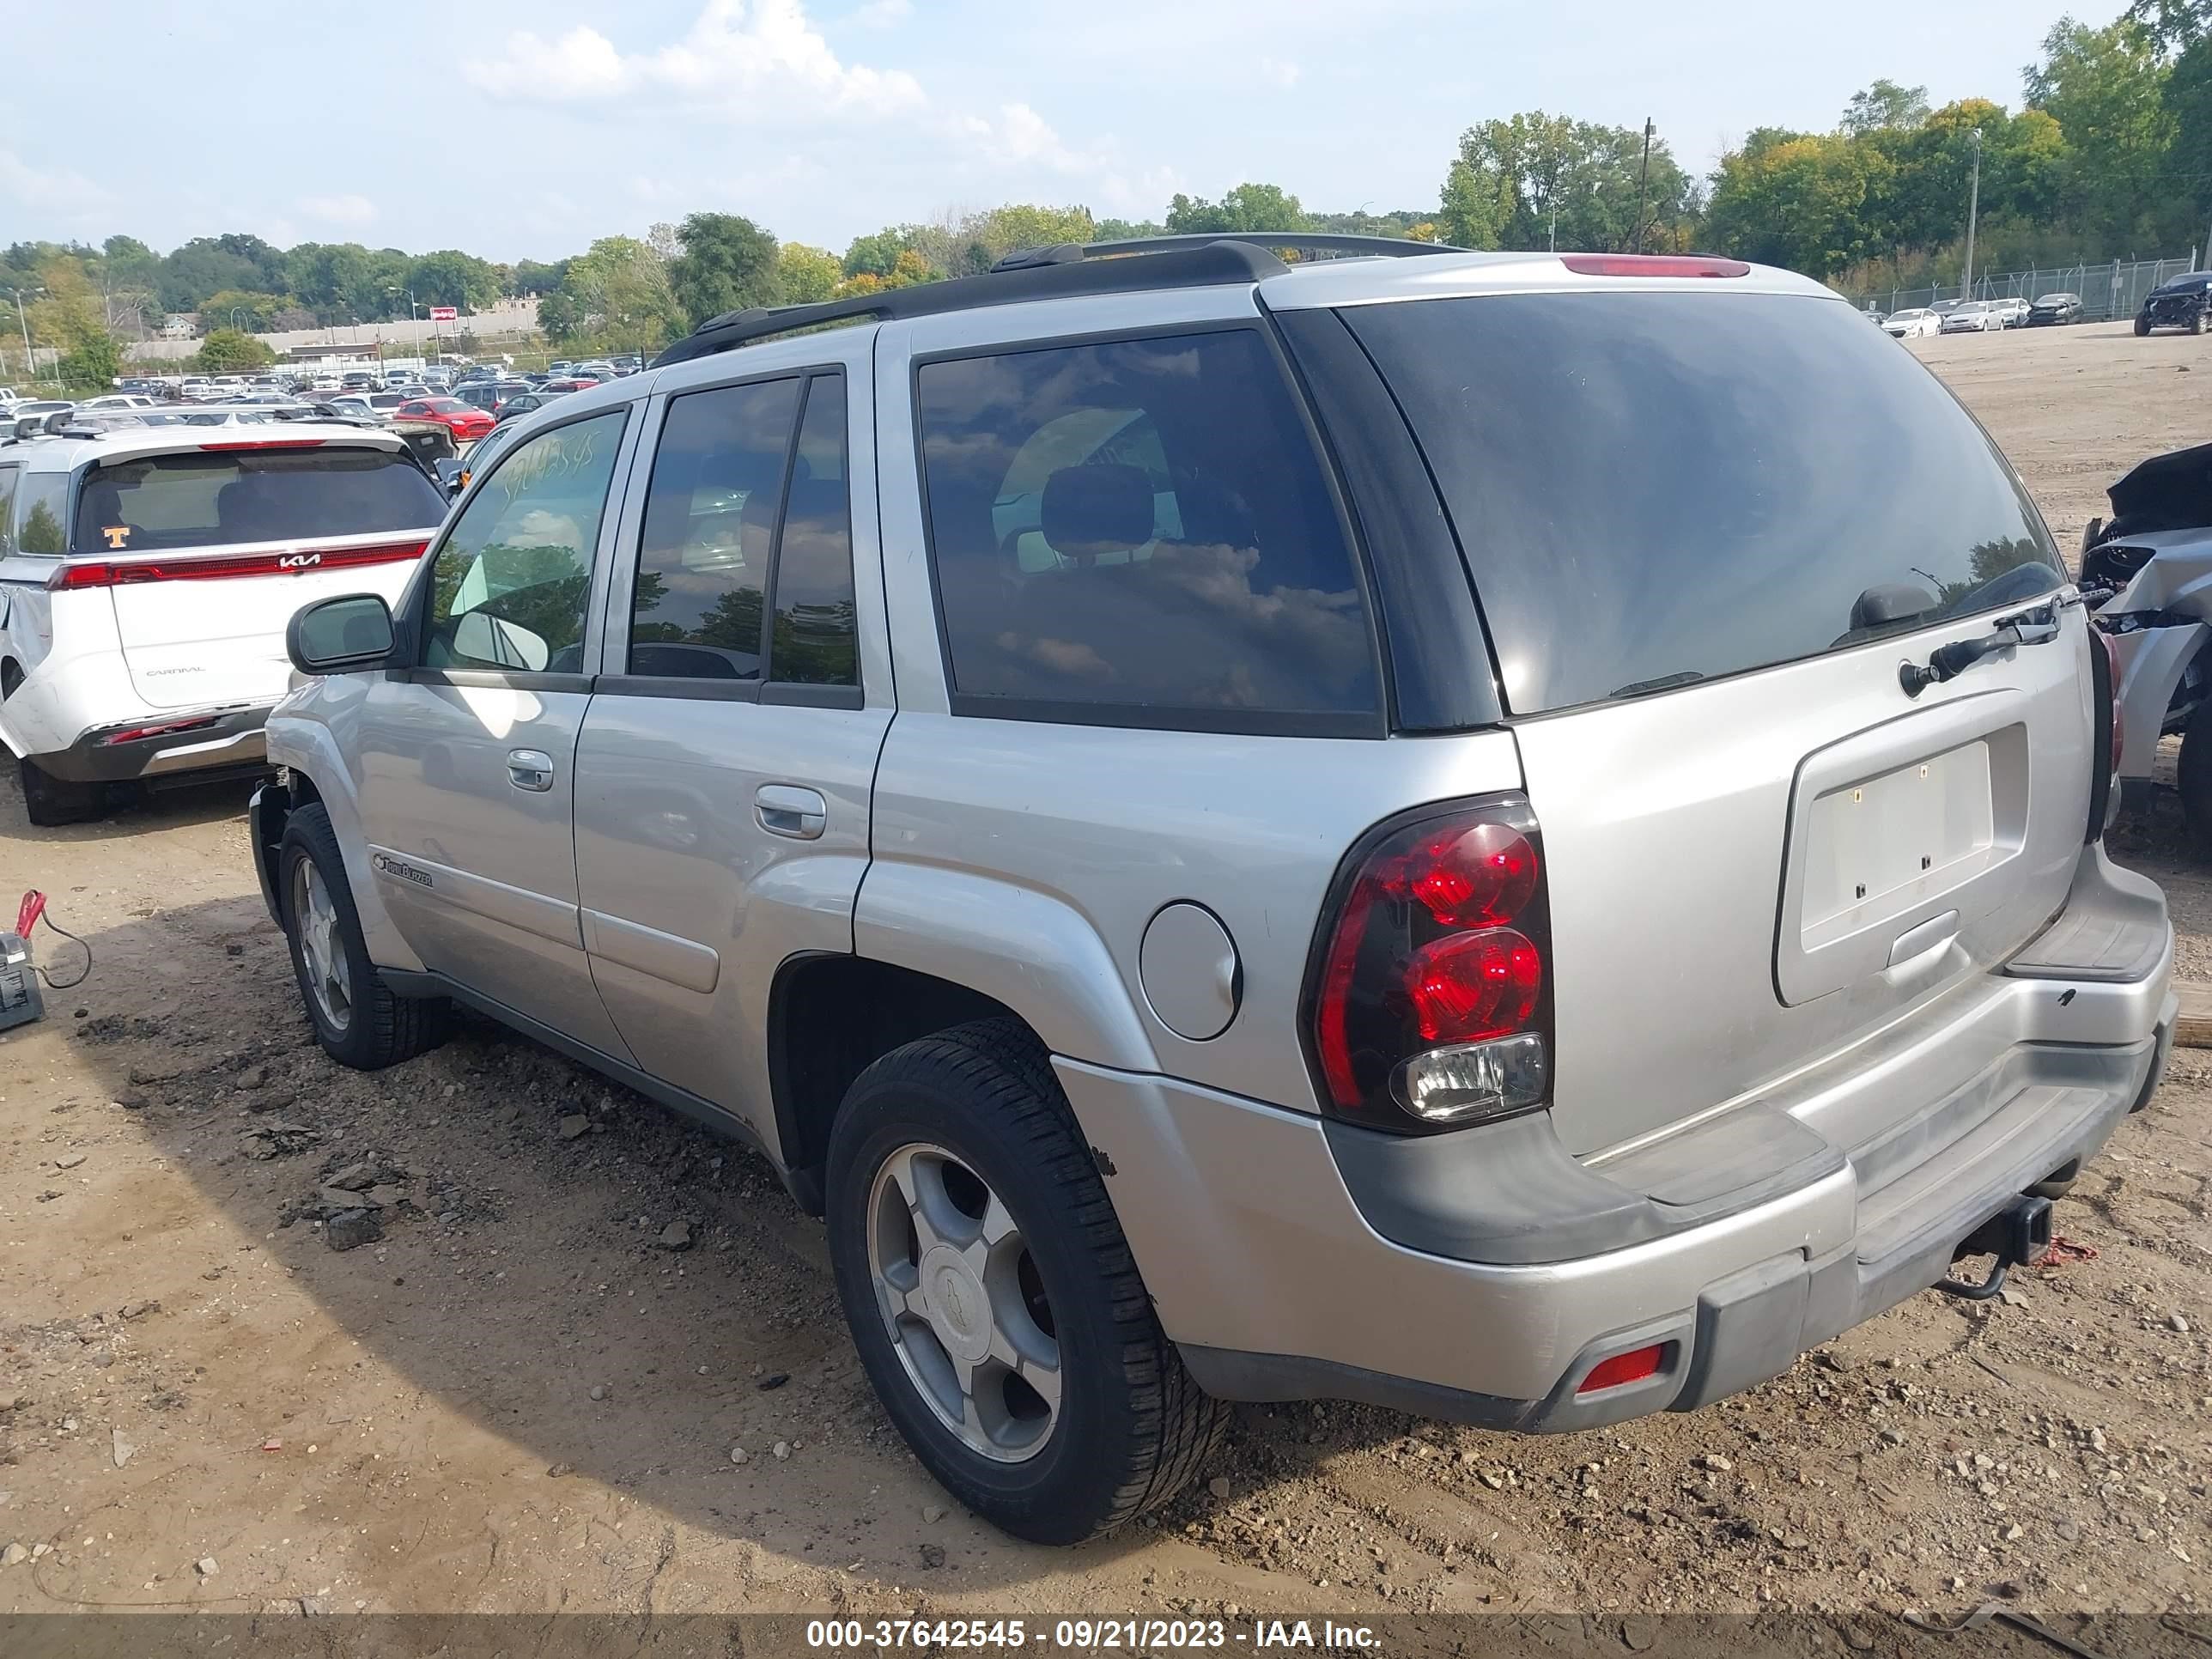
x=30, y=359
x=234, y=310
x=1973, y=211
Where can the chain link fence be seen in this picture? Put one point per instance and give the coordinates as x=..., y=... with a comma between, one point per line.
x=2107, y=291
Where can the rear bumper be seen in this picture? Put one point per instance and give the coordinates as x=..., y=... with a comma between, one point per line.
x=1485, y=1284
x=232, y=741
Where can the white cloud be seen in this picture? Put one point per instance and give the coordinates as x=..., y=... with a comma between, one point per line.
x=338, y=209
x=1020, y=137
x=748, y=58
x=1277, y=72
x=35, y=188
x=882, y=13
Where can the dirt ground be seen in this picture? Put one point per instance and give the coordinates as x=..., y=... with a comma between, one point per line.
x=519, y=1401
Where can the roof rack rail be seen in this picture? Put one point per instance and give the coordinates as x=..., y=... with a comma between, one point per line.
x=1045, y=274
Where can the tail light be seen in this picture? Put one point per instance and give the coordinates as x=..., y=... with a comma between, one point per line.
x=1429, y=1004
x=292, y=562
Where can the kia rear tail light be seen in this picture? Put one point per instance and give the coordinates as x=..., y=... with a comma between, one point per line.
x=1430, y=1001
x=292, y=562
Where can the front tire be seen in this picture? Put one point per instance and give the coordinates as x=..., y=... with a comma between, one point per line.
x=2143, y=327
x=992, y=1296
x=357, y=1019
x=50, y=802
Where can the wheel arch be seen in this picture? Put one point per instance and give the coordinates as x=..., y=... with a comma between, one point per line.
x=830, y=1018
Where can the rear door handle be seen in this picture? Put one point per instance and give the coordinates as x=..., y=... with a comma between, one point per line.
x=531, y=769
x=786, y=808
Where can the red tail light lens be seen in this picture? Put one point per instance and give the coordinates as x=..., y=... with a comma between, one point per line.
x=1429, y=1000
x=291, y=561
x=1652, y=265
x=1466, y=987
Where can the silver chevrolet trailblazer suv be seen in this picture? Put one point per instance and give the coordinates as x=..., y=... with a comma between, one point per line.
x=1515, y=836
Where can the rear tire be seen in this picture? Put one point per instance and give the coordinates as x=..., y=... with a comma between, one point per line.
x=357, y=1019
x=973, y=1120
x=2143, y=327
x=51, y=802
x=2196, y=322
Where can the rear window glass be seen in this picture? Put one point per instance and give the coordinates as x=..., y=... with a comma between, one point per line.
x=203, y=499
x=1141, y=526
x=1654, y=488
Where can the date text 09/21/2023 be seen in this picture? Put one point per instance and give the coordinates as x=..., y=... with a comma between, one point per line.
x=1089, y=1635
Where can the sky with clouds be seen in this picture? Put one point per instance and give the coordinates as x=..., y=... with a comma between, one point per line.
x=523, y=130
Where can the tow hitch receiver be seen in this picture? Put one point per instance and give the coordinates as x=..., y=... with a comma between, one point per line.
x=2019, y=1233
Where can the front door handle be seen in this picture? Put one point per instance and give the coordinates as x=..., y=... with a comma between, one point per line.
x=531, y=769
x=786, y=808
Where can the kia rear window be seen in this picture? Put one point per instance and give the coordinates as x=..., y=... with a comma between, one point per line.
x=1656, y=488
x=209, y=499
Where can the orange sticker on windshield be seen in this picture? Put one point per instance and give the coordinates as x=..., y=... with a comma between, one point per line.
x=117, y=534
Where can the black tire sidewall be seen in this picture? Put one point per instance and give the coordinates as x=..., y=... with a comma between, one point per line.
x=308, y=836
x=1061, y=1494
x=51, y=802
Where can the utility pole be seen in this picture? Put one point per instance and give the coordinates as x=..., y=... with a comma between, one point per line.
x=30, y=363
x=1974, y=212
x=1642, y=178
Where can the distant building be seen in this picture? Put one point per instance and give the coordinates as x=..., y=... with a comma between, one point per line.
x=181, y=325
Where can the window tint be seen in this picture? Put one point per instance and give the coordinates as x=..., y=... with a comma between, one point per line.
x=1142, y=525
x=7, y=510
x=1659, y=488
x=207, y=498
x=814, y=642
x=512, y=578
x=710, y=515
x=41, y=502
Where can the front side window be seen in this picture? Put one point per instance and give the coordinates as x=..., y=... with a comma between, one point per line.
x=511, y=580
x=1141, y=528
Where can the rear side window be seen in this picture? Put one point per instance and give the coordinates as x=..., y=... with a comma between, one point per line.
x=7, y=510
x=1141, y=532
x=745, y=520
x=210, y=498
x=710, y=517
x=41, y=502
x=1656, y=488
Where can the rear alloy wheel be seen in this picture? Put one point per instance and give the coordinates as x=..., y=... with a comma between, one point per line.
x=992, y=1295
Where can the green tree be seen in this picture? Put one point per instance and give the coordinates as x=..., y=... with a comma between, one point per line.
x=806, y=274
x=2187, y=175
x=874, y=255
x=2106, y=89
x=531, y=277
x=1884, y=103
x=1248, y=207
x=618, y=289
x=1512, y=177
x=726, y=263
x=71, y=317
x=1803, y=202
x=450, y=277
x=255, y=311
x=229, y=350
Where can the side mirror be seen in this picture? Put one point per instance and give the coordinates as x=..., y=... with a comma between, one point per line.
x=341, y=635
x=451, y=475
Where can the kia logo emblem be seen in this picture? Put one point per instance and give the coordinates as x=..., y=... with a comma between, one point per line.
x=299, y=561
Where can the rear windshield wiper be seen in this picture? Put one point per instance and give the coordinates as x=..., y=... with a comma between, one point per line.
x=2039, y=625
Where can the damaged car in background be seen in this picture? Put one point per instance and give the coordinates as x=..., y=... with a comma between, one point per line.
x=2146, y=578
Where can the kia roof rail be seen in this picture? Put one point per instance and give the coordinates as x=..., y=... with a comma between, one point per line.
x=1044, y=274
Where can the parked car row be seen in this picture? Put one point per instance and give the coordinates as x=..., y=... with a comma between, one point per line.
x=1982, y=316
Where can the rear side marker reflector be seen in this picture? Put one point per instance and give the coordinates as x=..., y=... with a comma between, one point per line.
x=1652, y=265
x=1631, y=1367
x=297, y=562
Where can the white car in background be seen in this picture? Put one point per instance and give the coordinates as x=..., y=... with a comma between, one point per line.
x=2013, y=311
x=1974, y=317
x=147, y=572
x=1911, y=324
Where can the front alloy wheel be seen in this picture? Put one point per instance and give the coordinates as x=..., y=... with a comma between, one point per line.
x=324, y=969
x=963, y=1302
